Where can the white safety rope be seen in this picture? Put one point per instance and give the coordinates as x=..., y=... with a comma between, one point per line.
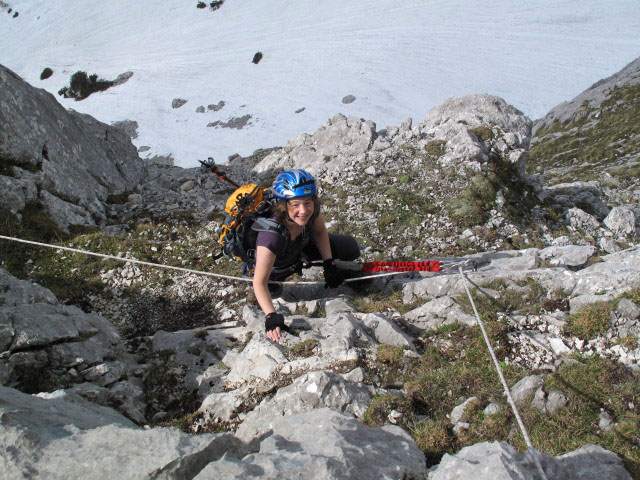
x=534, y=453
x=186, y=270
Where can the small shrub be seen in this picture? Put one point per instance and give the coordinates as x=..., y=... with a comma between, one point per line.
x=304, y=349
x=390, y=355
x=435, y=148
x=434, y=439
x=257, y=57
x=82, y=85
x=193, y=350
x=483, y=133
x=201, y=5
x=119, y=198
x=216, y=4
x=633, y=295
x=379, y=302
x=46, y=73
x=379, y=409
x=590, y=321
x=201, y=333
x=629, y=342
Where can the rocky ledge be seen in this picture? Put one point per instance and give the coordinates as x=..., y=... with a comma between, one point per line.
x=293, y=408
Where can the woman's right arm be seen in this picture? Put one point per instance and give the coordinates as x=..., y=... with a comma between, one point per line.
x=265, y=259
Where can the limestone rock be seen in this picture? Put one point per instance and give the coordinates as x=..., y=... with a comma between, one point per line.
x=438, y=312
x=575, y=194
x=178, y=102
x=135, y=198
x=225, y=405
x=617, y=273
x=62, y=436
x=555, y=401
x=606, y=423
x=324, y=444
x=258, y=360
x=309, y=391
x=16, y=193
x=628, y=309
x=78, y=161
x=199, y=351
x=129, y=127
x=622, y=222
x=581, y=220
x=455, y=119
x=65, y=437
x=590, y=462
x=338, y=305
x=386, y=331
x=525, y=388
x=568, y=255
x=491, y=409
x=341, y=137
x=458, y=413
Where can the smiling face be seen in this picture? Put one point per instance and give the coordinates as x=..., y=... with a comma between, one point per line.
x=300, y=210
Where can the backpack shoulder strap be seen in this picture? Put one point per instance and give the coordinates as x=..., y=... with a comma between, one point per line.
x=264, y=224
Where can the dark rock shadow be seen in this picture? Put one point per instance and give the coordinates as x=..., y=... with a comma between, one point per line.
x=149, y=313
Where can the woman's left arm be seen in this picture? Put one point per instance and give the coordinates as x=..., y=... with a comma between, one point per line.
x=321, y=238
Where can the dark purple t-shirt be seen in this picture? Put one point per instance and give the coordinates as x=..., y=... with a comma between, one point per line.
x=276, y=244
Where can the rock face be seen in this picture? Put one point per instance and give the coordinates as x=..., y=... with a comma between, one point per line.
x=504, y=463
x=340, y=138
x=66, y=437
x=295, y=408
x=45, y=346
x=455, y=122
x=67, y=161
x=594, y=138
x=343, y=140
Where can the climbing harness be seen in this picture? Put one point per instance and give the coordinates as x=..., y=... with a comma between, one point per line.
x=532, y=451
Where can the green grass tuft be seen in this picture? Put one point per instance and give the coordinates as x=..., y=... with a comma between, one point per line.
x=590, y=321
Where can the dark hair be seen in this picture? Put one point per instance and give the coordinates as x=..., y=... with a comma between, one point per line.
x=281, y=213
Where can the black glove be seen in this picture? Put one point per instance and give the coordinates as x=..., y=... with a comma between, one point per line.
x=332, y=275
x=273, y=321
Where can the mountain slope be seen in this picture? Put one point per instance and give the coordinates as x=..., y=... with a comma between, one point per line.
x=595, y=136
x=398, y=60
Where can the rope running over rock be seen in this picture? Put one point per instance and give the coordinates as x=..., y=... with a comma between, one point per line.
x=199, y=272
x=532, y=451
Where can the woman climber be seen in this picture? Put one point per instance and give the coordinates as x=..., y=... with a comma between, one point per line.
x=302, y=234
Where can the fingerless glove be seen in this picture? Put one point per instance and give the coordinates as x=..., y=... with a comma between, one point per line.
x=273, y=321
x=332, y=275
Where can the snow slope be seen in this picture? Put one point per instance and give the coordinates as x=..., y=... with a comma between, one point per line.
x=398, y=58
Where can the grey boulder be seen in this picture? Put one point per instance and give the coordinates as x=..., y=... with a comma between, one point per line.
x=500, y=461
x=324, y=444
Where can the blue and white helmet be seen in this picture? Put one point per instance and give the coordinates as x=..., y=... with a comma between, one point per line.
x=294, y=184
